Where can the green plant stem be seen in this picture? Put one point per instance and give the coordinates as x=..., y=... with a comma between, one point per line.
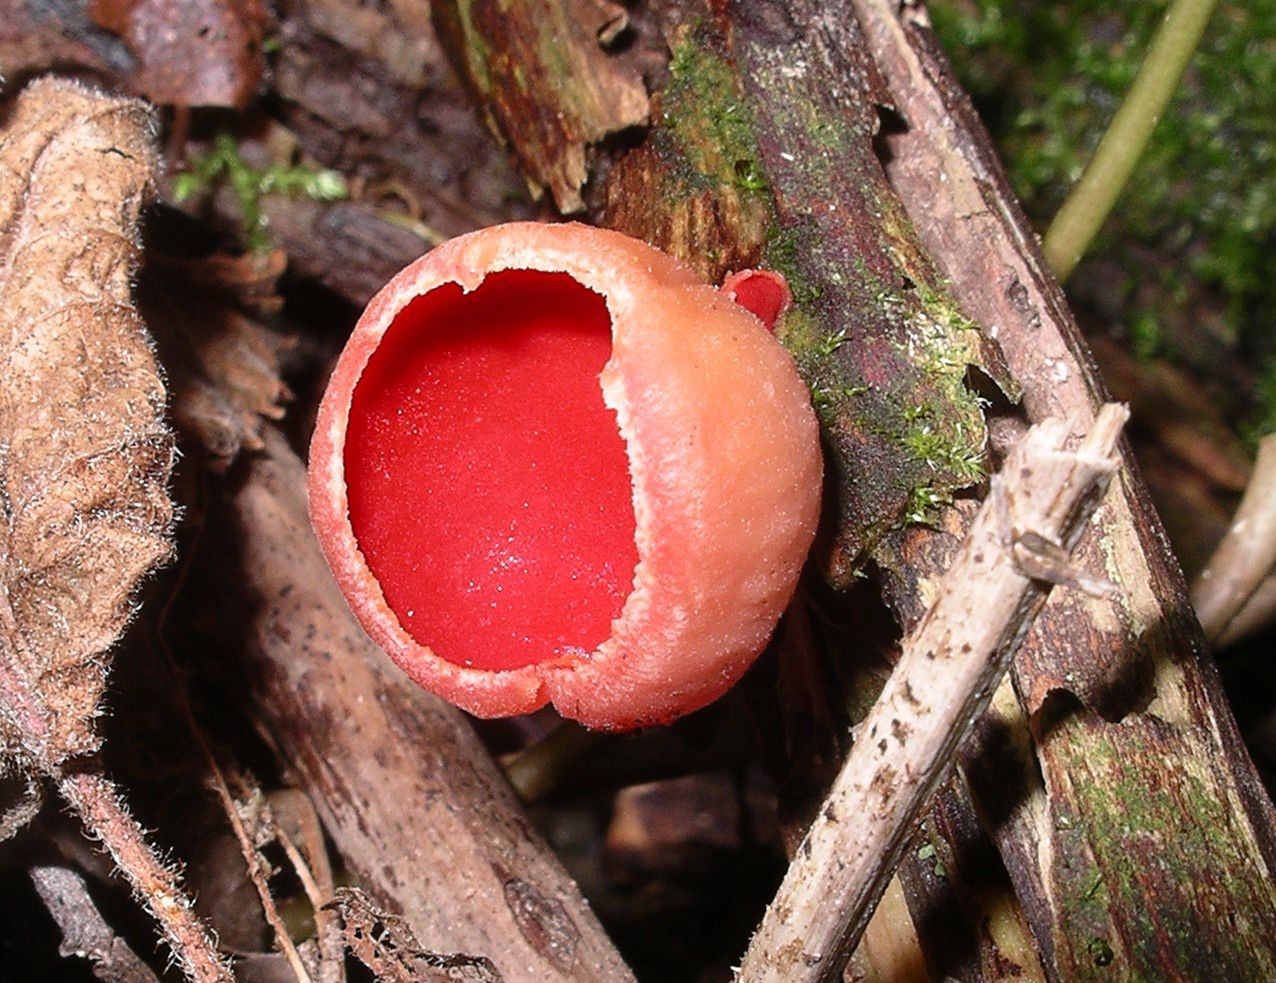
x=540, y=768
x=1081, y=216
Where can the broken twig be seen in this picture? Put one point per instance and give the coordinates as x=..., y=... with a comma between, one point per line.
x=1247, y=553
x=85, y=932
x=948, y=671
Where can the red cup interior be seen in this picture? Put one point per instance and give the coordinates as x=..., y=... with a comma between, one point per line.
x=489, y=486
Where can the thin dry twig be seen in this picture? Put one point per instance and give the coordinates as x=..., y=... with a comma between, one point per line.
x=257, y=871
x=1258, y=614
x=97, y=801
x=85, y=933
x=1247, y=554
x=293, y=812
x=938, y=691
x=385, y=944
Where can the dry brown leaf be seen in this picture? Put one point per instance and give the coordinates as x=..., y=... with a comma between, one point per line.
x=386, y=945
x=190, y=52
x=85, y=456
x=85, y=459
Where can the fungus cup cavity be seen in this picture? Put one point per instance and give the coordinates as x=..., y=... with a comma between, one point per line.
x=552, y=465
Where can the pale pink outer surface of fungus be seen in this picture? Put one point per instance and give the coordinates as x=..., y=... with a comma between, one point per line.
x=725, y=465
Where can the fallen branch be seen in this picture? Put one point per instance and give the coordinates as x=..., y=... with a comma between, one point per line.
x=1122, y=712
x=1247, y=554
x=413, y=802
x=940, y=688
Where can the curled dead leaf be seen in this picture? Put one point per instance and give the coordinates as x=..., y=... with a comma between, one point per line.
x=85, y=460
x=85, y=456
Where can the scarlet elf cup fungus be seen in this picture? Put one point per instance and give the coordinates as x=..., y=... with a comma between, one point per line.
x=552, y=465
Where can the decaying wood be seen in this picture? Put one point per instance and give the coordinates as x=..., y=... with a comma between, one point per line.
x=1122, y=716
x=1136, y=816
x=223, y=364
x=85, y=933
x=764, y=155
x=1247, y=554
x=938, y=691
x=544, y=82
x=410, y=797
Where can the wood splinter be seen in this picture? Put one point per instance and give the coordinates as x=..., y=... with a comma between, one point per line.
x=940, y=688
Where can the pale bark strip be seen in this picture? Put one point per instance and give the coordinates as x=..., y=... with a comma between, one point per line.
x=1247, y=553
x=411, y=798
x=85, y=933
x=1258, y=614
x=937, y=692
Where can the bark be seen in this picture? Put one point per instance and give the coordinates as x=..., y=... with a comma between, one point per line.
x=1016, y=547
x=544, y=83
x=85, y=933
x=760, y=158
x=410, y=797
x=1139, y=819
x=1121, y=799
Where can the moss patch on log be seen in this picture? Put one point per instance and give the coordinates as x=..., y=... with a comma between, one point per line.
x=748, y=166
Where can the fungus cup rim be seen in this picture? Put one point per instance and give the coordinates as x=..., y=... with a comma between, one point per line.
x=671, y=487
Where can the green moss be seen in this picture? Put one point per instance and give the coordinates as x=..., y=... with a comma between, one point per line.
x=938, y=449
x=940, y=305
x=1201, y=206
x=712, y=124
x=1155, y=833
x=780, y=252
x=223, y=163
x=928, y=852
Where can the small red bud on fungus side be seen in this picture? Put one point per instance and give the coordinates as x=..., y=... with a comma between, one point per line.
x=764, y=293
x=552, y=465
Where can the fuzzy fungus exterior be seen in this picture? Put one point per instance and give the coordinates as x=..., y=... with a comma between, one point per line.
x=552, y=465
